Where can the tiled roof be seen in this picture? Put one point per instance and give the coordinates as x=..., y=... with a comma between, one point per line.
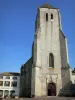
x=10, y=74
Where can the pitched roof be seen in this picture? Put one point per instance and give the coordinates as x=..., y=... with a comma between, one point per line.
x=47, y=6
x=62, y=33
x=9, y=74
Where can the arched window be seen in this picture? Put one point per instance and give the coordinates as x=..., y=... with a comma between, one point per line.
x=51, y=60
x=46, y=16
x=51, y=16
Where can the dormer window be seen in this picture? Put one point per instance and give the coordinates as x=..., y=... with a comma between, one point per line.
x=51, y=16
x=46, y=16
x=7, y=77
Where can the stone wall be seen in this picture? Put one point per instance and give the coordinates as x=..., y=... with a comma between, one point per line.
x=46, y=40
x=25, y=79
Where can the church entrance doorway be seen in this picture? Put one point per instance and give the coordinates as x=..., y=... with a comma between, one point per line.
x=51, y=89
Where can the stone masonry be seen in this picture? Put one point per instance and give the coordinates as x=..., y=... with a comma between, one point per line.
x=48, y=40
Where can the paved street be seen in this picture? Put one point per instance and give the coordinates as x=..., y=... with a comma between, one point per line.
x=45, y=98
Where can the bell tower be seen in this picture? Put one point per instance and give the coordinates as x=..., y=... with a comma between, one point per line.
x=50, y=55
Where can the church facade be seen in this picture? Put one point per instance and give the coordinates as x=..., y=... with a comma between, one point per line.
x=47, y=72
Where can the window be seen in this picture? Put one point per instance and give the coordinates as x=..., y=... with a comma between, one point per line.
x=46, y=16
x=6, y=93
x=1, y=93
x=1, y=77
x=7, y=83
x=1, y=83
x=7, y=77
x=12, y=93
x=15, y=78
x=51, y=60
x=14, y=84
x=51, y=16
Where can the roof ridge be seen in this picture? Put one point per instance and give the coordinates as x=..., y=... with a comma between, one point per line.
x=10, y=74
x=46, y=5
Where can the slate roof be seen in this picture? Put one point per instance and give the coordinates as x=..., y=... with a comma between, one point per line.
x=62, y=33
x=47, y=6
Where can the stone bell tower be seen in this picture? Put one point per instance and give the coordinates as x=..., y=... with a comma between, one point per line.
x=50, y=72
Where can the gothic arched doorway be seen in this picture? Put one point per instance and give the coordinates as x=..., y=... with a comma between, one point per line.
x=51, y=90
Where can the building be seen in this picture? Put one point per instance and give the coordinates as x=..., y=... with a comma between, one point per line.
x=47, y=72
x=73, y=81
x=9, y=84
x=73, y=76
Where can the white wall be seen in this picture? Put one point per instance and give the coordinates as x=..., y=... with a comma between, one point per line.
x=73, y=78
x=9, y=88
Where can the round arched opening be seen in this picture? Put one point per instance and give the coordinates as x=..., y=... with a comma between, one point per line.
x=51, y=90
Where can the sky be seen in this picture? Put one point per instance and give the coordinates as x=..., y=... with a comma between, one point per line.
x=17, y=27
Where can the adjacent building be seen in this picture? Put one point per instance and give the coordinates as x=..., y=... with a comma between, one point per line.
x=9, y=84
x=73, y=81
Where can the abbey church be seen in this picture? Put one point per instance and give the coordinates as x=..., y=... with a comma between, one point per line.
x=47, y=72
